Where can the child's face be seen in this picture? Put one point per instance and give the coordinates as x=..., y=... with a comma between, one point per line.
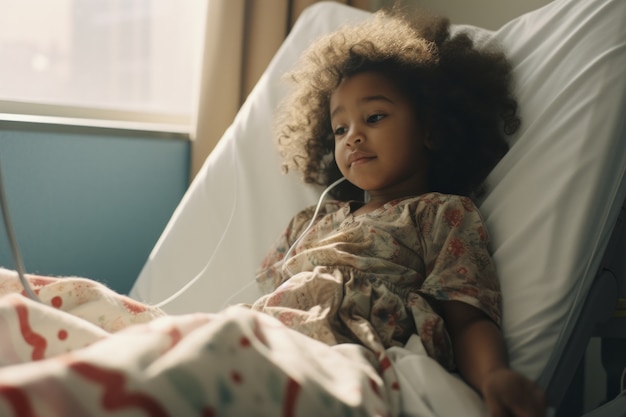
x=379, y=146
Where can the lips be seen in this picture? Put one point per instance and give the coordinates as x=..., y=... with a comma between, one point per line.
x=359, y=158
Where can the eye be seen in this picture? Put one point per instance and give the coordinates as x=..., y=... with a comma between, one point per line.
x=375, y=118
x=340, y=130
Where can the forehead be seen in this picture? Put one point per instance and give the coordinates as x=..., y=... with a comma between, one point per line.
x=366, y=84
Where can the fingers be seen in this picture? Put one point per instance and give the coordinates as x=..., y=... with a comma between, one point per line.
x=535, y=404
x=527, y=401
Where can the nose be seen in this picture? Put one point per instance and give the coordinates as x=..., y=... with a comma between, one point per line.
x=355, y=136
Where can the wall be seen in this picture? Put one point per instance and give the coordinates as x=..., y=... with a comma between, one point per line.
x=89, y=202
x=489, y=14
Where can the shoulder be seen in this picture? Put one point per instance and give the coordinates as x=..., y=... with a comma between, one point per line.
x=446, y=212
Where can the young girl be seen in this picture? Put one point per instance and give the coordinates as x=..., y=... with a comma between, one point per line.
x=414, y=120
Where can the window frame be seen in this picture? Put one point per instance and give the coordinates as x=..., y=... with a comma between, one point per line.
x=85, y=116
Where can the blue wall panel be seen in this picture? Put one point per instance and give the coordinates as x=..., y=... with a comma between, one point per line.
x=89, y=204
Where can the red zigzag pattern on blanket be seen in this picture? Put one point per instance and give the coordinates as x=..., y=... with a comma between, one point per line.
x=37, y=341
x=115, y=397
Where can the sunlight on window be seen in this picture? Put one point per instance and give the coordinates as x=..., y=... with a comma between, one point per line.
x=132, y=55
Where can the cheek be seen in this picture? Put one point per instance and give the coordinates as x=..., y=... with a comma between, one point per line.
x=337, y=153
x=340, y=160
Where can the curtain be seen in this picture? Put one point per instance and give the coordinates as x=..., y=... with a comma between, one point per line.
x=241, y=37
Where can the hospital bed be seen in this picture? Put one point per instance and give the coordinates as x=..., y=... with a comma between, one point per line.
x=554, y=205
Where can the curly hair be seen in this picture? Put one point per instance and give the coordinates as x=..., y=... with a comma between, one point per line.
x=462, y=96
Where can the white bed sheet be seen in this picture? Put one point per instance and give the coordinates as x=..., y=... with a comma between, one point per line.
x=551, y=202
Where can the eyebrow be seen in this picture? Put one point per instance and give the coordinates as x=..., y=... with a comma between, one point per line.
x=366, y=99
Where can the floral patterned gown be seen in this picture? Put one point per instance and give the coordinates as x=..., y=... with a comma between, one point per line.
x=371, y=279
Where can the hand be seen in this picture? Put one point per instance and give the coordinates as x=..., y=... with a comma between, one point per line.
x=508, y=393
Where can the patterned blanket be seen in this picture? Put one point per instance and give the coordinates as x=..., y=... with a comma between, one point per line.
x=88, y=351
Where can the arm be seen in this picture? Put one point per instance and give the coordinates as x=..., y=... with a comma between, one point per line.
x=480, y=354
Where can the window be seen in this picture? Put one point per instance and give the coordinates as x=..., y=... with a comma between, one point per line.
x=133, y=60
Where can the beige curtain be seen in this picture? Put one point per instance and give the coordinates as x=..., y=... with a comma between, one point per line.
x=241, y=36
